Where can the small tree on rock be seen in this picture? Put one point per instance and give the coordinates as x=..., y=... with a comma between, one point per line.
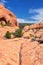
x=8, y=35
x=18, y=33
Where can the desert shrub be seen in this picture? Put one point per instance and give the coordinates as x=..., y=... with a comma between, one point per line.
x=8, y=23
x=31, y=35
x=18, y=33
x=1, y=23
x=8, y=35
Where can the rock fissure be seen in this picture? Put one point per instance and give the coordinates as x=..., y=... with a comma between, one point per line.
x=20, y=60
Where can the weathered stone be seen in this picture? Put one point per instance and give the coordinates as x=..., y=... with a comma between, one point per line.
x=37, y=26
x=6, y=15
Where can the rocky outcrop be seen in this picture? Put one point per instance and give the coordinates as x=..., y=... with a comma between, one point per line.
x=36, y=31
x=37, y=26
x=33, y=26
x=6, y=15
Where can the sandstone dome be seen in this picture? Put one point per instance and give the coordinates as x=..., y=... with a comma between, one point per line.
x=6, y=15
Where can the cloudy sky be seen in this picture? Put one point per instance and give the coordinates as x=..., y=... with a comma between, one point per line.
x=26, y=11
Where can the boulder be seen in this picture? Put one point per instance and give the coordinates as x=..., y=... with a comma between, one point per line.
x=29, y=34
x=25, y=29
x=36, y=31
x=6, y=15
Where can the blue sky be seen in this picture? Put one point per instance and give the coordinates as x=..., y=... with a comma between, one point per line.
x=26, y=11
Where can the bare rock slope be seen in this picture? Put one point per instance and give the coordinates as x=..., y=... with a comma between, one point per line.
x=21, y=52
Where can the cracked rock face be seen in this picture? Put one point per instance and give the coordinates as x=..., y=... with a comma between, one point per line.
x=21, y=52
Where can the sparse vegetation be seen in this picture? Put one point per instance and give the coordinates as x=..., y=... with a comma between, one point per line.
x=18, y=33
x=22, y=25
x=1, y=23
x=8, y=35
x=8, y=23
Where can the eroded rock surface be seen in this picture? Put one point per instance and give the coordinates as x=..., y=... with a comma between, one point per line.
x=32, y=54
x=21, y=51
x=34, y=30
x=6, y=15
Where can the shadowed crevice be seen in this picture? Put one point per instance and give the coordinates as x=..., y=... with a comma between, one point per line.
x=3, y=19
x=20, y=61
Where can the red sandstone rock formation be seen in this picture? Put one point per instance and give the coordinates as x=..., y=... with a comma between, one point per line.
x=37, y=26
x=6, y=15
x=34, y=29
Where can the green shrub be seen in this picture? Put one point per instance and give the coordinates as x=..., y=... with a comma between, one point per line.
x=8, y=35
x=18, y=33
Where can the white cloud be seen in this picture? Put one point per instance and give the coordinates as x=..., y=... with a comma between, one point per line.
x=3, y=2
x=38, y=14
x=37, y=17
x=20, y=20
